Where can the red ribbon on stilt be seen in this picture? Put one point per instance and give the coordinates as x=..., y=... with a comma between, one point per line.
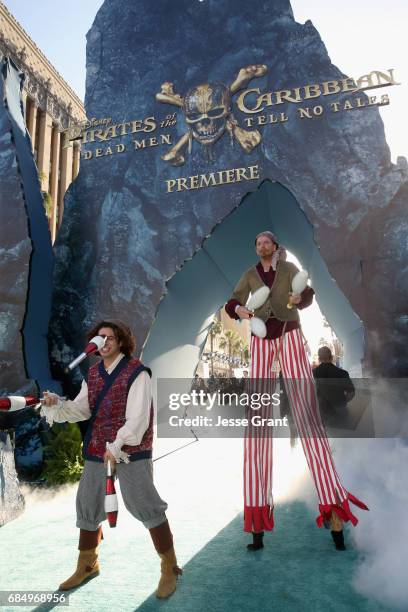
x=342, y=510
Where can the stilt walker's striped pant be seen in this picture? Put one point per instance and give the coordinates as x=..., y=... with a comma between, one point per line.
x=258, y=458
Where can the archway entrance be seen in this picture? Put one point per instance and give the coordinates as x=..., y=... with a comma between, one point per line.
x=206, y=282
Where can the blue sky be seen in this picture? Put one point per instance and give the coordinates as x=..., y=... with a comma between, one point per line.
x=365, y=35
x=360, y=36
x=59, y=28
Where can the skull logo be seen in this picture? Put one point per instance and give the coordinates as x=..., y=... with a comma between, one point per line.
x=206, y=109
x=207, y=112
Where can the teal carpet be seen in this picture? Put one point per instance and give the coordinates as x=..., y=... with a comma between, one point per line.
x=297, y=571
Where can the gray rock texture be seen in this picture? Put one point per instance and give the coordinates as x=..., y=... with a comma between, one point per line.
x=11, y=498
x=26, y=261
x=123, y=236
x=15, y=253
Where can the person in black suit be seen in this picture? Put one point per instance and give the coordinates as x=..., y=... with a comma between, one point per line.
x=334, y=387
x=334, y=391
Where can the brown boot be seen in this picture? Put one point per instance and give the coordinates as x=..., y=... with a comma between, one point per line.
x=169, y=574
x=163, y=543
x=87, y=568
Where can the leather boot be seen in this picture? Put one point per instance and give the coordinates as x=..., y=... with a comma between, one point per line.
x=163, y=543
x=87, y=565
x=336, y=526
x=87, y=568
x=169, y=574
x=257, y=541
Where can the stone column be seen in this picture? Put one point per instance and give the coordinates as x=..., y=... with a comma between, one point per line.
x=55, y=144
x=44, y=149
x=65, y=178
x=77, y=155
x=24, y=101
x=31, y=120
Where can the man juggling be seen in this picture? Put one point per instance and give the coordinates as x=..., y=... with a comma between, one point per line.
x=117, y=400
x=277, y=345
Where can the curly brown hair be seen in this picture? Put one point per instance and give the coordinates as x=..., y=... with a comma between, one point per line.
x=123, y=335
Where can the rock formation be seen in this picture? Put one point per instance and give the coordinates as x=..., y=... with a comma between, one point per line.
x=123, y=235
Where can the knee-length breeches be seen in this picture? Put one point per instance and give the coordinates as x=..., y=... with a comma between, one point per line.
x=138, y=493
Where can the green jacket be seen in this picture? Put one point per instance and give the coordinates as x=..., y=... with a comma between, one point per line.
x=276, y=304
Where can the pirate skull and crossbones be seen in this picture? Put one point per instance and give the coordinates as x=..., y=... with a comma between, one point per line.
x=207, y=113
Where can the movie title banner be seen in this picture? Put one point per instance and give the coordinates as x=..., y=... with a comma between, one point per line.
x=211, y=112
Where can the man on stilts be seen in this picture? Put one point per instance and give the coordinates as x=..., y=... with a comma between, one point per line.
x=117, y=400
x=282, y=349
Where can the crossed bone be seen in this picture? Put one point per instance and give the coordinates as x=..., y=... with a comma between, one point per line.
x=248, y=139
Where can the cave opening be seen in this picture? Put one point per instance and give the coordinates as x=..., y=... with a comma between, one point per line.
x=204, y=283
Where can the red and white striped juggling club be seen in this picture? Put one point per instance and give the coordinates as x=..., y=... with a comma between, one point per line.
x=12, y=403
x=93, y=345
x=111, y=500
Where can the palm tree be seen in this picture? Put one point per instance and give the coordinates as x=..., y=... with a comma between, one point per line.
x=215, y=330
x=242, y=350
x=230, y=342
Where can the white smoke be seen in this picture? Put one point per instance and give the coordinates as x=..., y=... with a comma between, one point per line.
x=375, y=471
x=54, y=501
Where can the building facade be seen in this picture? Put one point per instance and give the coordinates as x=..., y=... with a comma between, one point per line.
x=226, y=351
x=50, y=107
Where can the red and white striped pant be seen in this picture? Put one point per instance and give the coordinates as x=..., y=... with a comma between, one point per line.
x=258, y=457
